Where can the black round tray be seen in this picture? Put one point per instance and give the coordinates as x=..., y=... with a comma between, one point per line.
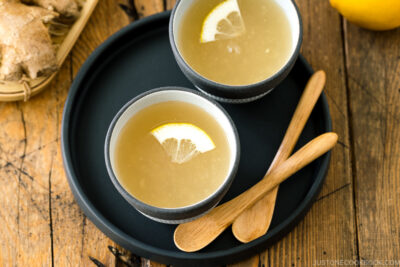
x=139, y=58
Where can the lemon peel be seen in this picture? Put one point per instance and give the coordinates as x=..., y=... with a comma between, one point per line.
x=223, y=22
x=378, y=15
x=183, y=141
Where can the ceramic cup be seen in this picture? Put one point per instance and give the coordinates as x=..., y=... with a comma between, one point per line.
x=228, y=93
x=173, y=215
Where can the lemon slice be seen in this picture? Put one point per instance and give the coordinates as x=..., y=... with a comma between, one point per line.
x=182, y=141
x=223, y=22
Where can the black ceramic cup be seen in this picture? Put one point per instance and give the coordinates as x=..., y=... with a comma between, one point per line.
x=229, y=93
x=183, y=214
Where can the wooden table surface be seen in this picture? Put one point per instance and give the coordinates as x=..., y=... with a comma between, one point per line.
x=355, y=218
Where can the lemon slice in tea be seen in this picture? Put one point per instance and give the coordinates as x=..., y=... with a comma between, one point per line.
x=182, y=141
x=223, y=22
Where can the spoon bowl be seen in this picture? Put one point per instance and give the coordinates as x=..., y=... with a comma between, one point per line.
x=255, y=221
x=195, y=235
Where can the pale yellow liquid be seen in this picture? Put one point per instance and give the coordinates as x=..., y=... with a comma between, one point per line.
x=259, y=53
x=144, y=169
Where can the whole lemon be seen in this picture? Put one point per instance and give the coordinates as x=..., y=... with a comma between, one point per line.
x=376, y=15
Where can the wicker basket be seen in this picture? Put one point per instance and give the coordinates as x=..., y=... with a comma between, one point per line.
x=26, y=88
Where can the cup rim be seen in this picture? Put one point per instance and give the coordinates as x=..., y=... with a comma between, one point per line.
x=240, y=89
x=142, y=206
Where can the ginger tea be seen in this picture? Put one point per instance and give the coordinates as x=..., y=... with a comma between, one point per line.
x=172, y=154
x=235, y=42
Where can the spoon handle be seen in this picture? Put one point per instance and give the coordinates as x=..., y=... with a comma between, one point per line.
x=255, y=221
x=195, y=235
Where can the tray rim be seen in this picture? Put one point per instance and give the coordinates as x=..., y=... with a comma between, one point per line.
x=162, y=255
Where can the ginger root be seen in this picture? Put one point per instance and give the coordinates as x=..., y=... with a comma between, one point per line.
x=25, y=44
x=67, y=8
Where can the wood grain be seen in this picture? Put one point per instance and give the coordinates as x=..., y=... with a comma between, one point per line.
x=41, y=225
x=148, y=7
x=24, y=198
x=373, y=71
x=148, y=263
x=75, y=238
x=30, y=159
x=251, y=262
x=170, y=4
x=328, y=230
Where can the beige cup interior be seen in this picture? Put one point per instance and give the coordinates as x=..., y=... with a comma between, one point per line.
x=287, y=6
x=175, y=95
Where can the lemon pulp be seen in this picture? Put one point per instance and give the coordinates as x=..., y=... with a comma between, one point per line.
x=235, y=43
x=152, y=167
x=182, y=141
x=223, y=22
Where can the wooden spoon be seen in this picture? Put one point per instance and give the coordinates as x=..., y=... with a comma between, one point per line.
x=195, y=235
x=255, y=221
